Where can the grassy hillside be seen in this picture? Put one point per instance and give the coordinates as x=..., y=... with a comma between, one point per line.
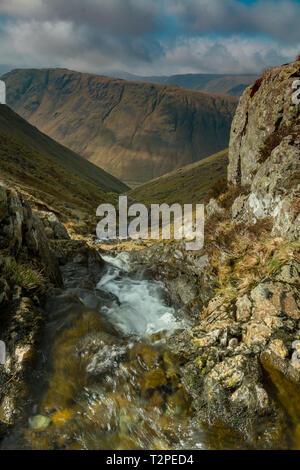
x=136, y=131
x=17, y=128
x=185, y=185
x=48, y=184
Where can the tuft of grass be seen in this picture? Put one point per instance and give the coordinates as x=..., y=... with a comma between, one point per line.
x=227, y=198
x=283, y=254
x=217, y=189
x=24, y=276
x=249, y=254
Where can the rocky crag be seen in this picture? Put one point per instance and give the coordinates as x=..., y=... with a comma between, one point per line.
x=242, y=364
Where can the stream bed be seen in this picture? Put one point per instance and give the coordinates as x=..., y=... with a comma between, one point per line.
x=105, y=377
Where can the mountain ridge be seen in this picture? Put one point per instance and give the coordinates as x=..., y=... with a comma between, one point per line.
x=211, y=83
x=136, y=131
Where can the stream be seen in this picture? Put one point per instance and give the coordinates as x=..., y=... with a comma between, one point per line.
x=105, y=377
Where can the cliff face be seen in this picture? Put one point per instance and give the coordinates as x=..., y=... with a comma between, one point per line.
x=265, y=151
x=136, y=131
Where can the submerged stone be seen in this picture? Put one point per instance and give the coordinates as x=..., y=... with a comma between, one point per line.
x=39, y=422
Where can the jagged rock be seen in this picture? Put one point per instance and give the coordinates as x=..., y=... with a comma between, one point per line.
x=22, y=242
x=55, y=228
x=213, y=208
x=289, y=273
x=186, y=276
x=263, y=111
x=265, y=152
x=277, y=347
x=223, y=373
x=22, y=230
x=275, y=191
x=243, y=308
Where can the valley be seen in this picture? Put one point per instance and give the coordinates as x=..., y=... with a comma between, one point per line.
x=135, y=131
x=141, y=344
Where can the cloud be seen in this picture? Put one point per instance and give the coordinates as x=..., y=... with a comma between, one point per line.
x=65, y=44
x=276, y=18
x=149, y=36
x=226, y=54
x=118, y=17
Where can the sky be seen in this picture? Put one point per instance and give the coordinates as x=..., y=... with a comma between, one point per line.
x=149, y=37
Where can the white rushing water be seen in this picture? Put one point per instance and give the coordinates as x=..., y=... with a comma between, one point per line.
x=141, y=309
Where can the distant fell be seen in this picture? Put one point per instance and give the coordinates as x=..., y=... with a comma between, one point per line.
x=136, y=131
x=230, y=84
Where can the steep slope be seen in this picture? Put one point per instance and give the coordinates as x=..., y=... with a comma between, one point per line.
x=52, y=177
x=189, y=184
x=136, y=131
x=17, y=128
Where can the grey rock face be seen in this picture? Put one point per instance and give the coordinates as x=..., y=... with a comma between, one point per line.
x=265, y=152
x=21, y=229
x=265, y=111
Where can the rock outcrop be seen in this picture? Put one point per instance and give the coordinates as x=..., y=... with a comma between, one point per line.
x=27, y=268
x=265, y=151
x=23, y=232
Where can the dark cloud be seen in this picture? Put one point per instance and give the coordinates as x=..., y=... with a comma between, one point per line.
x=149, y=36
x=118, y=17
x=276, y=18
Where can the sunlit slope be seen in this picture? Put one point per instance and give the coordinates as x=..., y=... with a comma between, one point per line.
x=189, y=184
x=17, y=128
x=28, y=160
